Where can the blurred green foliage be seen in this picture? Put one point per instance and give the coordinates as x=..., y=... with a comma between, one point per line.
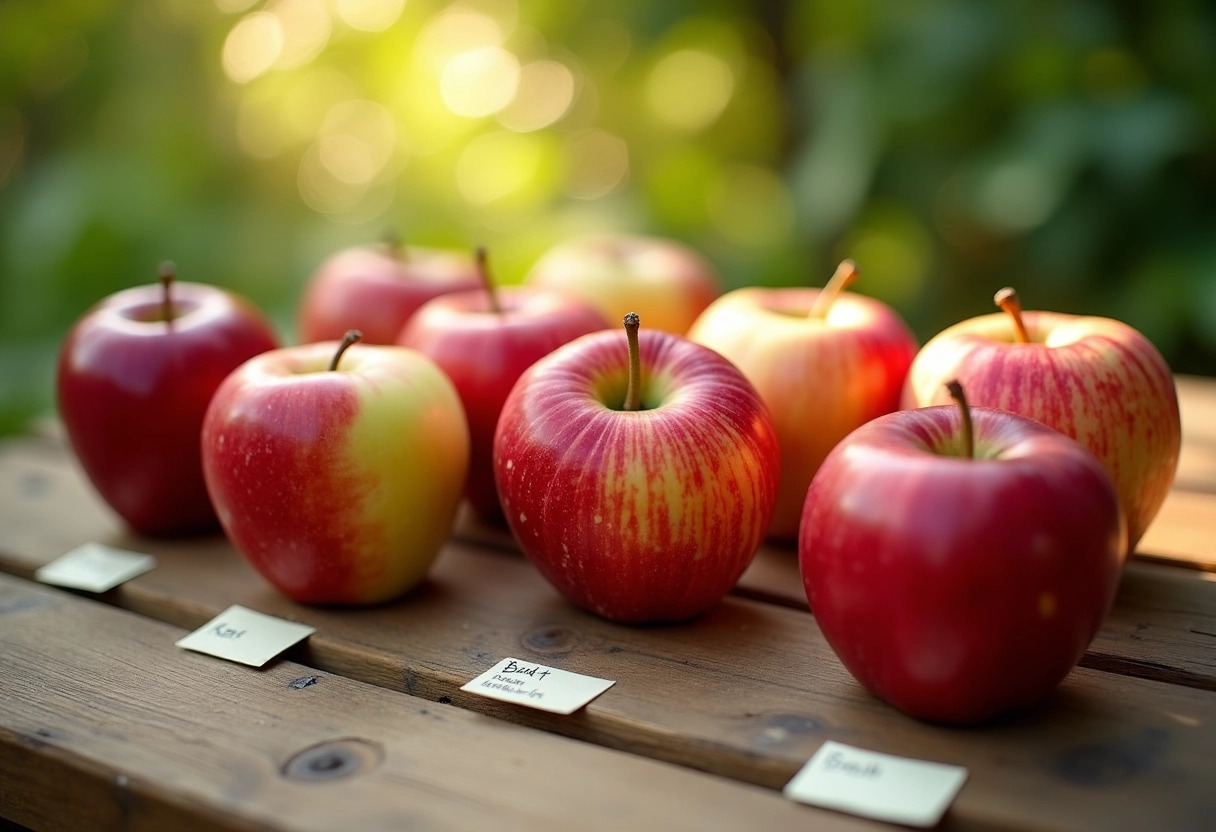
x=949, y=147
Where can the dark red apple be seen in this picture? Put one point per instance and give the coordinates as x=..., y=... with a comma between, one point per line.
x=375, y=289
x=960, y=561
x=134, y=378
x=484, y=340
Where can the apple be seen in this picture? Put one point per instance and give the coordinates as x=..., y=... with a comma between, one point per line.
x=960, y=561
x=666, y=280
x=336, y=469
x=638, y=472
x=135, y=375
x=1096, y=379
x=824, y=361
x=375, y=289
x=484, y=340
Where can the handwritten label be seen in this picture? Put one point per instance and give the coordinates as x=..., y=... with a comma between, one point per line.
x=243, y=635
x=537, y=686
x=879, y=786
x=95, y=567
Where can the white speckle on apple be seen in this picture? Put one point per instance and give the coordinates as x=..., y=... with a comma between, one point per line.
x=598, y=519
x=510, y=464
x=565, y=549
x=523, y=518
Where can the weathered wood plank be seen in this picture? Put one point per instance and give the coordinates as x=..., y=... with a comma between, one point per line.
x=105, y=724
x=748, y=691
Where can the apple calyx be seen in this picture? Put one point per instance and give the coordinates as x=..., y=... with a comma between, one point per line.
x=167, y=273
x=964, y=409
x=1009, y=302
x=483, y=271
x=840, y=280
x=633, y=393
x=351, y=336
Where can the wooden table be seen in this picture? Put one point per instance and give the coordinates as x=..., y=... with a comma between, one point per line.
x=105, y=723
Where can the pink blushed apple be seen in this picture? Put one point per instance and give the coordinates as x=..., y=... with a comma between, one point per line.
x=666, y=281
x=1095, y=379
x=824, y=361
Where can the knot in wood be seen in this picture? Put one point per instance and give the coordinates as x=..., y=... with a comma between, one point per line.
x=551, y=640
x=333, y=760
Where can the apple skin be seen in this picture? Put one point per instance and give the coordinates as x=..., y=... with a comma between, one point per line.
x=820, y=377
x=638, y=516
x=958, y=589
x=375, y=289
x=485, y=352
x=1095, y=379
x=667, y=282
x=132, y=389
x=339, y=486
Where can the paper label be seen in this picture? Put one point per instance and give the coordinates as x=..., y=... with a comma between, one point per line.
x=243, y=635
x=879, y=786
x=537, y=686
x=94, y=567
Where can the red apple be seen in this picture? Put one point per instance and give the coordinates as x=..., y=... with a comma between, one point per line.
x=667, y=281
x=638, y=472
x=960, y=584
x=135, y=375
x=375, y=289
x=825, y=362
x=1096, y=379
x=339, y=482
x=484, y=340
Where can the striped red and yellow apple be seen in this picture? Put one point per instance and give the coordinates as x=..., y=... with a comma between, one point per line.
x=1095, y=379
x=638, y=472
x=824, y=361
x=336, y=469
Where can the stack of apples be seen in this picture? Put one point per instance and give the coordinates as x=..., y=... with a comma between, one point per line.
x=971, y=498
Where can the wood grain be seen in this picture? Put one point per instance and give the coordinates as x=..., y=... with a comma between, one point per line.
x=749, y=691
x=104, y=724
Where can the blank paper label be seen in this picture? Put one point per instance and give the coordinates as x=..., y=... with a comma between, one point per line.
x=95, y=567
x=879, y=786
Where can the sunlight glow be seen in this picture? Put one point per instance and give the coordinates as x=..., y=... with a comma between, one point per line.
x=452, y=32
x=599, y=164
x=356, y=141
x=495, y=166
x=480, y=82
x=369, y=15
x=306, y=29
x=689, y=89
x=252, y=47
x=545, y=93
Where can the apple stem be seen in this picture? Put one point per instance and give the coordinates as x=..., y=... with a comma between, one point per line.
x=351, y=336
x=1009, y=302
x=841, y=279
x=167, y=273
x=964, y=409
x=483, y=271
x=633, y=393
